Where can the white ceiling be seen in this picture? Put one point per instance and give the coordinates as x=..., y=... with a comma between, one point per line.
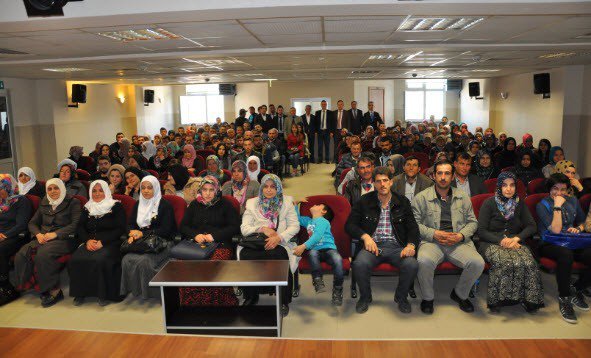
x=273, y=44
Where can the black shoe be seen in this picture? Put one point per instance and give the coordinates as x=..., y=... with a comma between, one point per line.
x=587, y=292
x=403, y=305
x=362, y=306
x=465, y=305
x=412, y=293
x=284, y=310
x=578, y=300
x=103, y=303
x=319, y=285
x=494, y=309
x=529, y=308
x=78, y=301
x=427, y=307
x=337, y=296
x=251, y=301
x=327, y=162
x=52, y=300
x=566, y=310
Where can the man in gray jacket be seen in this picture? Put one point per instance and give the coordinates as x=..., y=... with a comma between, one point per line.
x=411, y=182
x=446, y=224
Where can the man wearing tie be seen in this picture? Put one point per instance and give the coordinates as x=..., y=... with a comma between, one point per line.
x=263, y=118
x=311, y=128
x=342, y=120
x=356, y=116
x=289, y=120
x=324, y=124
x=371, y=118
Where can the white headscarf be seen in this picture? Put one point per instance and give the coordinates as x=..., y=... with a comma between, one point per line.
x=103, y=207
x=254, y=175
x=149, y=150
x=148, y=208
x=60, y=184
x=24, y=188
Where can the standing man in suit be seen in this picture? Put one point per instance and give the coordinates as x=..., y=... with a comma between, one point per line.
x=289, y=120
x=309, y=121
x=325, y=128
x=239, y=122
x=371, y=118
x=263, y=119
x=356, y=117
x=341, y=120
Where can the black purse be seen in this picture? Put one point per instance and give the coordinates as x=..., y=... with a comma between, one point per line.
x=191, y=250
x=256, y=241
x=150, y=243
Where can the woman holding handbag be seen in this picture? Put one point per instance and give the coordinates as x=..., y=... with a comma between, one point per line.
x=273, y=215
x=207, y=229
x=150, y=235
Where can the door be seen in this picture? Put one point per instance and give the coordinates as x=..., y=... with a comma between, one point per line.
x=376, y=95
x=7, y=152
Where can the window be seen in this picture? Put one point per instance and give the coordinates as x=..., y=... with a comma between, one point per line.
x=203, y=104
x=424, y=98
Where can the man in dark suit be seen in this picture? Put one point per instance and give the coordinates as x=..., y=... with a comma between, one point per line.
x=356, y=117
x=371, y=118
x=309, y=121
x=411, y=182
x=239, y=122
x=472, y=184
x=324, y=123
x=263, y=119
x=341, y=120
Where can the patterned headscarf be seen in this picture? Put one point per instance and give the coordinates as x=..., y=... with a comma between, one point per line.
x=220, y=173
x=8, y=184
x=188, y=162
x=157, y=159
x=483, y=172
x=562, y=165
x=174, y=148
x=270, y=208
x=506, y=205
x=216, y=187
x=239, y=188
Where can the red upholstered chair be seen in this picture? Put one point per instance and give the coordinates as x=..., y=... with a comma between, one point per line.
x=521, y=190
x=35, y=201
x=265, y=171
x=162, y=183
x=82, y=199
x=536, y=186
x=232, y=200
x=204, y=153
x=478, y=200
x=491, y=185
x=424, y=170
x=507, y=169
x=422, y=157
x=82, y=174
x=42, y=182
x=200, y=163
x=86, y=184
x=343, y=174
x=202, y=172
x=585, y=200
x=179, y=205
x=153, y=172
x=128, y=202
x=531, y=201
x=163, y=176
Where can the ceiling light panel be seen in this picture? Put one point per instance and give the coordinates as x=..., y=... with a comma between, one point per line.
x=140, y=35
x=66, y=69
x=422, y=24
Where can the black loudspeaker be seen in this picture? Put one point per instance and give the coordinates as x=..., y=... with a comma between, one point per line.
x=227, y=89
x=78, y=93
x=148, y=96
x=541, y=83
x=454, y=85
x=474, y=89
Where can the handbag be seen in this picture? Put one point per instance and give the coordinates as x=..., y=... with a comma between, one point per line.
x=150, y=243
x=192, y=250
x=256, y=241
x=569, y=240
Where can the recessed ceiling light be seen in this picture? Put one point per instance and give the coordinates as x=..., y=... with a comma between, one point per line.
x=66, y=69
x=139, y=35
x=482, y=70
x=264, y=79
x=247, y=74
x=414, y=24
x=384, y=57
x=410, y=57
x=557, y=55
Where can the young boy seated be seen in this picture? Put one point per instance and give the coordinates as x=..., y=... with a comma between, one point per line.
x=321, y=247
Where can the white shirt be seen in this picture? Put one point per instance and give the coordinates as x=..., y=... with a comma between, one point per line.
x=409, y=189
x=340, y=120
x=465, y=186
x=322, y=119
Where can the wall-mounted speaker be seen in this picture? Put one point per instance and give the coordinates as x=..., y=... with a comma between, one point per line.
x=148, y=96
x=541, y=83
x=78, y=93
x=474, y=89
x=227, y=89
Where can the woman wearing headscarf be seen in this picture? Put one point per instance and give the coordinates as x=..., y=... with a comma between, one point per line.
x=543, y=152
x=137, y=161
x=274, y=215
x=178, y=176
x=213, y=167
x=67, y=173
x=526, y=144
x=124, y=147
x=490, y=145
x=151, y=216
x=483, y=166
x=96, y=152
x=556, y=155
x=506, y=157
x=173, y=148
x=82, y=161
x=28, y=184
x=116, y=176
x=159, y=162
x=525, y=168
x=133, y=177
x=190, y=160
x=148, y=150
x=504, y=224
x=95, y=267
x=254, y=168
x=396, y=164
x=502, y=139
x=439, y=146
x=568, y=168
x=209, y=218
x=15, y=212
x=240, y=186
x=51, y=226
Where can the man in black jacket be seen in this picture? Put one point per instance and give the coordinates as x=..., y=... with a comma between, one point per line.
x=239, y=122
x=371, y=118
x=325, y=126
x=384, y=223
x=356, y=116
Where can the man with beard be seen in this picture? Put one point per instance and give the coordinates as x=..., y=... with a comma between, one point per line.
x=104, y=164
x=385, y=144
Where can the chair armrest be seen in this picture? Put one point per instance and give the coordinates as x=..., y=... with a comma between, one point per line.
x=236, y=239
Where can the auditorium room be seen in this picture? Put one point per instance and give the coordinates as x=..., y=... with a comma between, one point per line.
x=320, y=178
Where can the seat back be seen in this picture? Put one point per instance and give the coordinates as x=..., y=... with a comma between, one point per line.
x=35, y=201
x=521, y=190
x=532, y=201
x=201, y=163
x=422, y=157
x=179, y=205
x=228, y=173
x=265, y=171
x=86, y=184
x=585, y=200
x=232, y=200
x=507, y=169
x=153, y=172
x=204, y=153
x=536, y=186
x=82, y=174
x=341, y=209
x=82, y=200
x=128, y=202
x=491, y=185
x=343, y=174
x=478, y=200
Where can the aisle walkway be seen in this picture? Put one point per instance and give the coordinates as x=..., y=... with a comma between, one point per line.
x=315, y=182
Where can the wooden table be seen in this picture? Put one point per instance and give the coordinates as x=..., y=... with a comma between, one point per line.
x=239, y=321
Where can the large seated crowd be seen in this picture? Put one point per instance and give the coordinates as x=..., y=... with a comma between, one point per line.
x=410, y=198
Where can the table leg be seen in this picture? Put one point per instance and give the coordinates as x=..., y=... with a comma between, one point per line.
x=163, y=308
x=279, y=316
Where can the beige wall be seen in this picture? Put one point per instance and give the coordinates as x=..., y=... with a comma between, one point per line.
x=249, y=94
x=524, y=111
x=281, y=92
x=155, y=115
x=476, y=112
x=584, y=165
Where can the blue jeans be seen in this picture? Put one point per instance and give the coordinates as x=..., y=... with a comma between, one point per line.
x=330, y=256
x=294, y=159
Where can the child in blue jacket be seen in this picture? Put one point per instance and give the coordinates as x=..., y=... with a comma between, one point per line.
x=321, y=247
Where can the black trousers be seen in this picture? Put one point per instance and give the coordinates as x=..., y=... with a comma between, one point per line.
x=278, y=253
x=8, y=247
x=564, y=260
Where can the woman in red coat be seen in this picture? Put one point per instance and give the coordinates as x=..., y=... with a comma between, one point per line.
x=295, y=149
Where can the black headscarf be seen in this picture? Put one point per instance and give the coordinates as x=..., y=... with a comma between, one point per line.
x=180, y=174
x=527, y=174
